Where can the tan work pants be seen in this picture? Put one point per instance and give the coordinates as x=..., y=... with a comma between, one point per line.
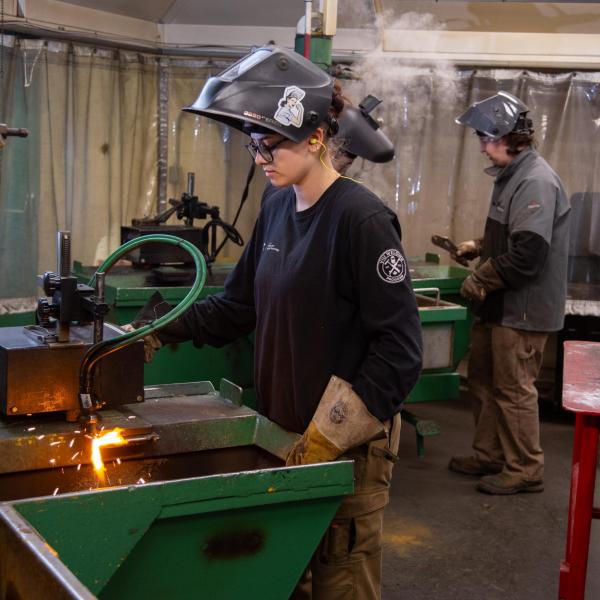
x=503, y=366
x=347, y=562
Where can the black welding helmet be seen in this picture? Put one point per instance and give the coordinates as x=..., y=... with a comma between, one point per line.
x=271, y=89
x=360, y=134
x=497, y=116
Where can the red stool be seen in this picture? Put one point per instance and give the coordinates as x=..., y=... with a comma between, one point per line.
x=581, y=394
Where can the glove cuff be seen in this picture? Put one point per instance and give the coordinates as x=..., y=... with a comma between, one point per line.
x=488, y=277
x=343, y=419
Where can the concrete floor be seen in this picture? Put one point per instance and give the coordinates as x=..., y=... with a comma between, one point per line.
x=445, y=541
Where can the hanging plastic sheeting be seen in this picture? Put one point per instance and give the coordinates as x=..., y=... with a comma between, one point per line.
x=565, y=109
x=90, y=162
x=108, y=143
x=436, y=182
x=212, y=151
x=19, y=174
x=418, y=110
x=99, y=165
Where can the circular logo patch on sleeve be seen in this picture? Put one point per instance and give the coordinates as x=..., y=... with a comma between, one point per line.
x=391, y=266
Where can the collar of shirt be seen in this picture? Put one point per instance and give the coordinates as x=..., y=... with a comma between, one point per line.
x=505, y=172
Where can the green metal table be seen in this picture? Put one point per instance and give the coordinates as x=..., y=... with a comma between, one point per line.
x=442, y=383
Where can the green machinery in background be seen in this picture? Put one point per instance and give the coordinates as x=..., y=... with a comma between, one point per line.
x=446, y=325
x=442, y=383
x=445, y=322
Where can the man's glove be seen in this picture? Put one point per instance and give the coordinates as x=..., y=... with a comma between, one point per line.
x=470, y=249
x=481, y=282
x=341, y=422
x=151, y=343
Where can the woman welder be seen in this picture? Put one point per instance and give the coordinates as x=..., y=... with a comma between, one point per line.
x=325, y=284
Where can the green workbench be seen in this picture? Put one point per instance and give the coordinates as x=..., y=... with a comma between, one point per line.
x=428, y=274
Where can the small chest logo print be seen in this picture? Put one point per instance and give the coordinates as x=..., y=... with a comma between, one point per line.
x=391, y=266
x=270, y=247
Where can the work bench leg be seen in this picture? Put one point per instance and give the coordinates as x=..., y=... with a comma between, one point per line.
x=422, y=428
x=573, y=568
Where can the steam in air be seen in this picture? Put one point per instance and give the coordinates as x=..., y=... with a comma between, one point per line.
x=412, y=91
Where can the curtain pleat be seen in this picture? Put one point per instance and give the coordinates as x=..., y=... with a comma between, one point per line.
x=90, y=162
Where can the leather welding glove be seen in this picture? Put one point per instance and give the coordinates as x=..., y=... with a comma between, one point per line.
x=151, y=343
x=341, y=422
x=481, y=282
x=471, y=249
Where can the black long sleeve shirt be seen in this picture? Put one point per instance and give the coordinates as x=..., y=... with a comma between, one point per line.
x=329, y=293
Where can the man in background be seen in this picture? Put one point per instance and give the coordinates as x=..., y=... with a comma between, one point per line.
x=518, y=292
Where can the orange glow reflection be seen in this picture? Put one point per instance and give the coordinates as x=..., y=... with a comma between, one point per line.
x=110, y=438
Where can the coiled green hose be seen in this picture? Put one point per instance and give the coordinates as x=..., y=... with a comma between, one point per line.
x=101, y=349
x=191, y=296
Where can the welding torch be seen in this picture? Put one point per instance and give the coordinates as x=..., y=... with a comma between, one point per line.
x=104, y=348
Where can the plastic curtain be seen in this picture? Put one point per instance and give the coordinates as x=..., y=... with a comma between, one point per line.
x=91, y=162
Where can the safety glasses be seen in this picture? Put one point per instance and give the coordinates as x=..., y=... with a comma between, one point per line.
x=483, y=138
x=266, y=152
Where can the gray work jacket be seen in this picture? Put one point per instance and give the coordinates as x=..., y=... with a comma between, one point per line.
x=527, y=236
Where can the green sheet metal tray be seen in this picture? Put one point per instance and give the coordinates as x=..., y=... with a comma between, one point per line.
x=206, y=507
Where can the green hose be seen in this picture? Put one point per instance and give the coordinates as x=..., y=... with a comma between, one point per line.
x=105, y=347
x=191, y=296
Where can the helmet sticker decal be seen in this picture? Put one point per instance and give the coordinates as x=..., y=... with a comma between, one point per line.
x=391, y=266
x=290, y=110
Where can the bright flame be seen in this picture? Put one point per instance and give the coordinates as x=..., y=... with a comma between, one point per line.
x=110, y=438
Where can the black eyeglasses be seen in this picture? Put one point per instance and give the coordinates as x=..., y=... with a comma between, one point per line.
x=266, y=152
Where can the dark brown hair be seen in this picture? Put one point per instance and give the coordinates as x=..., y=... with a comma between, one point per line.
x=338, y=101
x=517, y=142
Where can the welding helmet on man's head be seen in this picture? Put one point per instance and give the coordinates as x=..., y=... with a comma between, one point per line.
x=497, y=116
x=270, y=90
x=360, y=135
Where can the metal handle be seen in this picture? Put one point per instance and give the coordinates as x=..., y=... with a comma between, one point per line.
x=431, y=290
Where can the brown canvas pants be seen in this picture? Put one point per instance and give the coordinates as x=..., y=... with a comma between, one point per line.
x=347, y=562
x=503, y=366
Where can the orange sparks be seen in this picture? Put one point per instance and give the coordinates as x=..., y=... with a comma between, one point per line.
x=110, y=438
